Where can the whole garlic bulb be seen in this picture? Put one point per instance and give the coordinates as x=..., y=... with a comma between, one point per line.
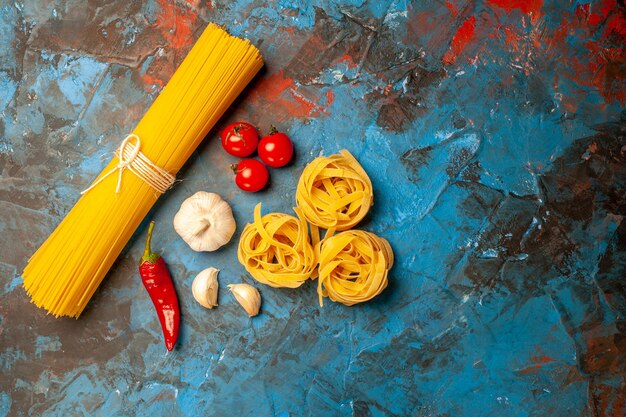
x=204, y=287
x=205, y=221
x=248, y=297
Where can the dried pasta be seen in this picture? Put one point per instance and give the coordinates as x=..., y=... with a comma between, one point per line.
x=276, y=249
x=66, y=270
x=334, y=193
x=353, y=267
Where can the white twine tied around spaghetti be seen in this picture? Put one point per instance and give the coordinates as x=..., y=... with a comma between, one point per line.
x=136, y=162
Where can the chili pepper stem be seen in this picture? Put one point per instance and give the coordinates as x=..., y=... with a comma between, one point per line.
x=148, y=255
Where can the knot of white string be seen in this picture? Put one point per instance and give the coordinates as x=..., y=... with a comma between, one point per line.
x=136, y=162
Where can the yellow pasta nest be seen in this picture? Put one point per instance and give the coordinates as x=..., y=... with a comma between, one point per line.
x=334, y=192
x=276, y=249
x=353, y=267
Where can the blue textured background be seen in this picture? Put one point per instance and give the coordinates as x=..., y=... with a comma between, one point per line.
x=494, y=132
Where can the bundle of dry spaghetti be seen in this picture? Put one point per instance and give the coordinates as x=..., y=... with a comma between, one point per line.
x=66, y=270
x=333, y=193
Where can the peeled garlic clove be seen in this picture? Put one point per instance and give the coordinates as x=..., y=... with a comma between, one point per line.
x=205, y=221
x=248, y=297
x=204, y=287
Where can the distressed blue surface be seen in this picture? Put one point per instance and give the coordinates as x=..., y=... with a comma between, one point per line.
x=494, y=135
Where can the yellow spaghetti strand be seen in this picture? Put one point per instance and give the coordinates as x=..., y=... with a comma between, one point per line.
x=276, y=250
x=334, y=193
x=353, y=267
x=68, y=267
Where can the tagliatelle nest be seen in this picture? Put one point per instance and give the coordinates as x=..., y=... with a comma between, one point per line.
x=334, y=192
x=353, y=267
x=276, y=249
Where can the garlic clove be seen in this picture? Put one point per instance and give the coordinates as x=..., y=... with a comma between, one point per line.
x=205, y=286
x=248, y=297
x=205, y=221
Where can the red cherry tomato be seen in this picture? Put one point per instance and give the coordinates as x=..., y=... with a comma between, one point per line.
x=240, y=139
x=276, y=149
x=251, y=175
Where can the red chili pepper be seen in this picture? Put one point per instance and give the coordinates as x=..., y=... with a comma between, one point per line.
x=158, y=282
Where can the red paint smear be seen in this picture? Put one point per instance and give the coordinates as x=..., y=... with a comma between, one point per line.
x=423, y=24
x=176, y=25
x=608, y=400
x=570, y=104
x=594, y=19
x=609, y=13
x=556, y=44
x=507, y=80
x=512, y=38
x=291, y=30
x=274, y=85
x=603, y=70
x=583, y=12
x=597, y=64
x=541, y=360
x=280, y=95
x=453, y=10
x=305, y=104
x=538, y=362
x=616, y=23
x=560, y=33
x=526, y=6
x=330, y=97
x=460, y=40
x=603, y=352
x=608, y=6
x=150, y=81
x=347, y=58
